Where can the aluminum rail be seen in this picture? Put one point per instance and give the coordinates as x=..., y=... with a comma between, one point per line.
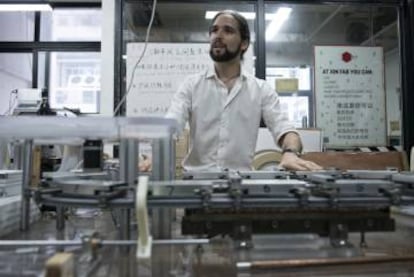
x=98, y=242
x=403, y=178
x=227, y=201
x=56, y=130
x=301, y=263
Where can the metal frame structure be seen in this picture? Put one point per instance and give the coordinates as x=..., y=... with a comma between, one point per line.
x=322, y=195
x=128, y=131
x=330, y=203
x=240, y=204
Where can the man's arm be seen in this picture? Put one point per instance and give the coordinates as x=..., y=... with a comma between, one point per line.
x=291, y=148
x=181, y=104
x=283, y=132
x=291, y=142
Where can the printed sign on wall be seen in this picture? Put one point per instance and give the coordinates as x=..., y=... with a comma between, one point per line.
x=350, y=95
x=159, y=74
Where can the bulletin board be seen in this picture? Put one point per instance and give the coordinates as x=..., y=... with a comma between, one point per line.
x=350, y=95
x=162, y=70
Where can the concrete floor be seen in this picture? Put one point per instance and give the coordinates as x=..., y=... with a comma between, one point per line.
x=216, y=259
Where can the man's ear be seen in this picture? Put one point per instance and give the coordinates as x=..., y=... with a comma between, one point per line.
x=244, y=45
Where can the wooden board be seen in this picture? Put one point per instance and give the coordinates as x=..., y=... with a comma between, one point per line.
x=359, y=160
x=60, y=265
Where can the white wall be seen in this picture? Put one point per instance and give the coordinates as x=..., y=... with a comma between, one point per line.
x=107, y=60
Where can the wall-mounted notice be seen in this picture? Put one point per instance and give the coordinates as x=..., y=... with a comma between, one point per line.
x=161, y=71
x=159, y=74
x=350, y=95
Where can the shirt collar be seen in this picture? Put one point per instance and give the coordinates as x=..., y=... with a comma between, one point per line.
x=211, y=72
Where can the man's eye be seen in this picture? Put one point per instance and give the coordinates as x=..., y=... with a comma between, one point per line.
x=229, y=30
x=213, y=30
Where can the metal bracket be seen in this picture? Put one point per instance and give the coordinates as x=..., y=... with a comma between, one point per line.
x=242, y=234
x=302, y=194
x=394, y=193
x=338, y=234
x=205, y=194
x=235, y=186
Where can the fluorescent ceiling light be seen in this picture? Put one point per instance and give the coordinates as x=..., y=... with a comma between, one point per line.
x=24, y=7
x=281, y=15
x=247, y=15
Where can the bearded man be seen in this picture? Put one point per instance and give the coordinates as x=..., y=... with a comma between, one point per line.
x=224, y=106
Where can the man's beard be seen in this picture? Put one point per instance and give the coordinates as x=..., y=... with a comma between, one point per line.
x=226, y=56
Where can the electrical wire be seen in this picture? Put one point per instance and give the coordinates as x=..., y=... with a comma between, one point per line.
x=154, y=4
x=12, y=102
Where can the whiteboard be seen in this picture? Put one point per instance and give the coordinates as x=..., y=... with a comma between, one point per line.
x=350, y=95
x=161, y=71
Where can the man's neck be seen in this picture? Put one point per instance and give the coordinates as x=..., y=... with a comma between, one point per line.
x=227, y=70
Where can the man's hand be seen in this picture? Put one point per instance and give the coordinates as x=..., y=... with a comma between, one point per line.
x=290, y=161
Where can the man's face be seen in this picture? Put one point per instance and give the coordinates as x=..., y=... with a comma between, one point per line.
x=225, y=39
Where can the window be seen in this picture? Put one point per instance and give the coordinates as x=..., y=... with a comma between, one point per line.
x=67, y=51
x=15, y=73
x=16, y=26
x=71, y=25
x=75, y=81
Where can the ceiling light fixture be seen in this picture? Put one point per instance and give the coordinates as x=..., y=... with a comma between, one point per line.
x=280, y=16
x=247, y=15
x=24, y=7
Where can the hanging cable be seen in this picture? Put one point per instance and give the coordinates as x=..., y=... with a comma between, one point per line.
x=139, y=59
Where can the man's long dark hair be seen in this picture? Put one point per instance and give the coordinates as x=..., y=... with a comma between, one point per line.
x=243, y=26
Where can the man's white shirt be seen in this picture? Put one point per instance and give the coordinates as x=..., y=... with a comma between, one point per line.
x=224, y=124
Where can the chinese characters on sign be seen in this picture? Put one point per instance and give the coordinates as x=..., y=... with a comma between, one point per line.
x=350, y=95
x=159, y=74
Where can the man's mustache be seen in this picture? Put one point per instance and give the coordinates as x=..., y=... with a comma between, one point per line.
x=218, y=43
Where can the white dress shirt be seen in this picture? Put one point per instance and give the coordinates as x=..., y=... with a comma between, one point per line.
x=224, y=124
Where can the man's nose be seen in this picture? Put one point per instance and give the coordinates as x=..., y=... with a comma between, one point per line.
x=219, y=33
x=215, y=38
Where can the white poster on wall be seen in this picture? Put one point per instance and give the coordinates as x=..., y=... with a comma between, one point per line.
x=350, y=95
x=161, y=71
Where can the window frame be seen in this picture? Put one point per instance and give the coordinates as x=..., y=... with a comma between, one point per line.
x=36, y=46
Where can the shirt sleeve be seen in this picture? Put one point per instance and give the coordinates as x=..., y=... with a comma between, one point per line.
x=274, y=117
x=181, y=104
